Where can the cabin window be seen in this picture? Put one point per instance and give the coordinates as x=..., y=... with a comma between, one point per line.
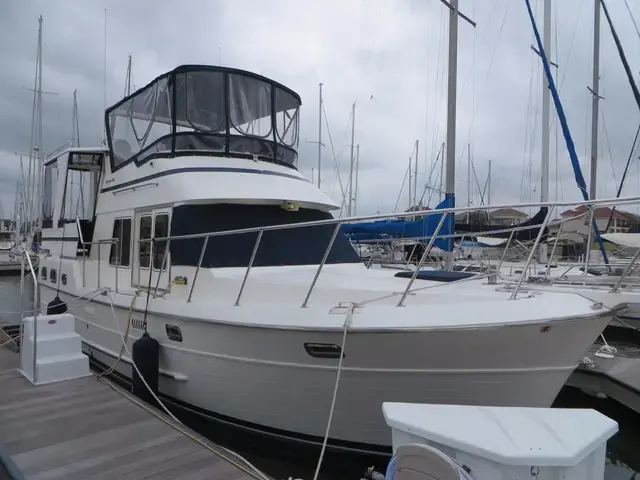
x=249, y=106
x=138, y=125
x=81, y=185
x=121, y=250
x=292, y=246
x=49, y=189
x=287, y=117
x=44, y=272
x=161, y=229
x=144, y=247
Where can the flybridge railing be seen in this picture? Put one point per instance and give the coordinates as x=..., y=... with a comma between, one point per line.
x=552, y=208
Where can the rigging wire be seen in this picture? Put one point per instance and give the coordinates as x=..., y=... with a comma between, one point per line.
x=484, y=83
x=632, y=19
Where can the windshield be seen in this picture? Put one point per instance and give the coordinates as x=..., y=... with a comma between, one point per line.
x=206, y=109
x=292, y=246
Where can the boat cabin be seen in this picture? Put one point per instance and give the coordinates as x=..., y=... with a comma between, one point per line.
x=199, y=149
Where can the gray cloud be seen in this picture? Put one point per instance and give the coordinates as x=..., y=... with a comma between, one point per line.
x=388, y=55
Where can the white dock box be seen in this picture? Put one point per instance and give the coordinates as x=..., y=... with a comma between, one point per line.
x=506, y=443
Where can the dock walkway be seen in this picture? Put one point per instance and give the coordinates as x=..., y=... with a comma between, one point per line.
x=617, y=378
x=85, y=429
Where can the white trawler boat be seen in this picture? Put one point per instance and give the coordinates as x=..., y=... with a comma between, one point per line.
x=252, y=325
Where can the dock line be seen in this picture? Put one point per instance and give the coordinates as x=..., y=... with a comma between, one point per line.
x=239, y=461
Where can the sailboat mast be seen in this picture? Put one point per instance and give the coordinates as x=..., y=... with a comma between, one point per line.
x=468, y=180
x=353, y=127
x=546, y=107
x=415, y=175
x=410, y=180
x=546, y=121
x=355, y=198
x=441, y=155
x=320, y=132
x=450, y=182
x=489, y=184
x=595, y=91
x=39, y=146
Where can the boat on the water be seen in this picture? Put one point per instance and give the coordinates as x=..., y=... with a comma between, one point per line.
x=200, y=230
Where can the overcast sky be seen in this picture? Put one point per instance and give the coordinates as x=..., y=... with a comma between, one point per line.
x=387, y=55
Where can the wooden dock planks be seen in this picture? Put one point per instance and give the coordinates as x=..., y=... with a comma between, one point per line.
x=83, y=429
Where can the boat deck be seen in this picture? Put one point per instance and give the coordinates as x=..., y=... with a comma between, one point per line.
x=85, y=429
x=617, y=378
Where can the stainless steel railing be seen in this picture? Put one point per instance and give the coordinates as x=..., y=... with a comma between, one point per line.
x=552, y=207
x=25, y=255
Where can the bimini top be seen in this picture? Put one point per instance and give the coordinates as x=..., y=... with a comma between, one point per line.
x=205, y=110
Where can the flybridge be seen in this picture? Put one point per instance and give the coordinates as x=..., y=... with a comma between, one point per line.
x=205, y=110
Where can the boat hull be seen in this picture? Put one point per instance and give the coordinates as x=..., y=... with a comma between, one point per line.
x=265, y=377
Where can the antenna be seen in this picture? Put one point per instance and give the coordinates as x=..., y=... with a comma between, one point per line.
x=75, y=124
x=127, y=83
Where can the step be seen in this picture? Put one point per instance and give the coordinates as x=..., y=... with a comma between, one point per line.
x=63, y=367
x=56, y=345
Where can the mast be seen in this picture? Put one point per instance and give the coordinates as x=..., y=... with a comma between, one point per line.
x=489, y=184
x=75, y=127
x=546, y=121
x=35, y=142
x=410, y=194
x=415, y=176
x=320, y=133
x=595, y=91
x=546, y=107
x=353, y=126
x=355, y=199
x=450, y=182
x=468, y=180
x=441, y=172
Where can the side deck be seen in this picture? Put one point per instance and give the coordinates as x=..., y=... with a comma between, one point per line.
x=84, y=428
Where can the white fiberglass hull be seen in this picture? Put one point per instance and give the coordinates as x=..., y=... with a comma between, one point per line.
x=264, y=377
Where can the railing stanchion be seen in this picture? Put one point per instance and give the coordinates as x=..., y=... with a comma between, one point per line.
x=195, y=276
x=589, y=240
x=455, y=251
x=84, y=257
x=422, y=260
x=553, y=249
x=246, y=273
x=324, y=259
x=533, y=252
x=118, y=260
x=616, y=288
x=99, y=262
x=506, y=248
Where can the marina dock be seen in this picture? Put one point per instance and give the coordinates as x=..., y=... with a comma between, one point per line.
x=84, y=428
x=617, y=378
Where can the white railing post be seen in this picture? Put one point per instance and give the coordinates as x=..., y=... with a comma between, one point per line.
x=422, y=260
x=195, y=276
x=324, y=259
x=532, y=253
x=246, y=273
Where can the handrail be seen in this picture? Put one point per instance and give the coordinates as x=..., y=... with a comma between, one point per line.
x=338, y=222
x=35, y=313
x=333, y=221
